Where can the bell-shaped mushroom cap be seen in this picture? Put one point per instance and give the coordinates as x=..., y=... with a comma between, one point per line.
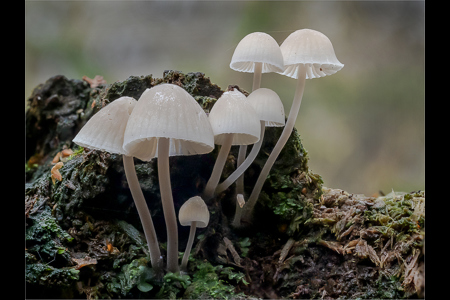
x=105, y=130
x=257, y=47
x=233, y=114
x=268, y=106
x=194, y=210
x=312, y=49
x=167, y=111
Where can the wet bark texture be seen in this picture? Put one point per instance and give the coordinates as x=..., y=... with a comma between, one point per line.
x=84, y=238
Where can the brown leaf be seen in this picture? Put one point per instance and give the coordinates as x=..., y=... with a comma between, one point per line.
x=94, y=82
x=82, y=262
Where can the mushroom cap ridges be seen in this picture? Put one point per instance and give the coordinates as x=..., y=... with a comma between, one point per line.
x=312, y=49
x=105, y=130
x=268, y=106
x=257, y=47
x=167, y=111
x=233, y=114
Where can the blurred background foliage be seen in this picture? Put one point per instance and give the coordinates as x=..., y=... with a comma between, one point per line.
x=363, y=127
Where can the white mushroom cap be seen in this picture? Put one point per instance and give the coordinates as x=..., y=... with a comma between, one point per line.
x=268, y=106
x=167, y=111
x=194, y=210
x=257, y=47
x=105, y=130
x=312, y=49
x=233, y=114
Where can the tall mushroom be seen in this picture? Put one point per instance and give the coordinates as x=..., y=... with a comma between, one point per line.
x=307, y=54
x=194, y=213
x=270, y=110
x=167, y=121
x=234, y=122
x=256, y=53
x=105, y=131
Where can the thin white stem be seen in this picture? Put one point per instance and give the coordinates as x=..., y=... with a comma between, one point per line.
x=218, y=167
x=257, y=74
x=167, y=204
x=280, y=144
x=244, y=166
x=188, y=246
x=239, y=162
x=238, y=212
x=144, y=213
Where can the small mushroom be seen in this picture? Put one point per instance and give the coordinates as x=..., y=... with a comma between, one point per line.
x=65, y=154
x=234, y=122
x=167, y=121
x=307, y=54
x=55, y=172
x=194, y=213
x=256, y=53
x=105, y=131
x=270, y=110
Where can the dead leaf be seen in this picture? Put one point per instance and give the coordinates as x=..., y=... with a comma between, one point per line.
x=94, y=82
x=82, y=262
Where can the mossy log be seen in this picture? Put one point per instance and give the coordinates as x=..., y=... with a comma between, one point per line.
x=84, y=238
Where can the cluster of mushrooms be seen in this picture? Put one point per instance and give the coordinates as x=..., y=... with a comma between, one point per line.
x=167, y=121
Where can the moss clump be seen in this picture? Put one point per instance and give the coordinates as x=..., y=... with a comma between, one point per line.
x=137, y=274
x=45, y=236
x=214, y=282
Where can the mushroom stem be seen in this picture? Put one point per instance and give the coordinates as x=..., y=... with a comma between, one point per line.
x=188, y=246
x=280, y=144
x=144, y=213
x=238, y=213
x=167, y=204
x=244, y=166
x=257, y=73
x=240, y=179
x=208, y=193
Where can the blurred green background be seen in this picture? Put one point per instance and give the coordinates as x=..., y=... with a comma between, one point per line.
x=363, y=127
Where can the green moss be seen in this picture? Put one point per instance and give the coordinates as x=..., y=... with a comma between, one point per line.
x=44, y=274
x=134, y=275
x=45, y=235
x=214, y=282
x=397, y=214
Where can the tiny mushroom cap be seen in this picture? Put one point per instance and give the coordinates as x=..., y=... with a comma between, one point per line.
x=233, y=114
x=257, y=47
x=268, y=106
x=194, y=210
x=105, y=130
x=312, y=49
x=167, y=111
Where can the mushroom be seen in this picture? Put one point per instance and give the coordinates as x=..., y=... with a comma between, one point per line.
x=234, y=122
x=270, y=110
x=167, y=121
x=307, y=54
x=194, y=213
x=105, y=131
x=256, y=53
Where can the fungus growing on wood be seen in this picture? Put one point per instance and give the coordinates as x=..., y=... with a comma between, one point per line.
x=307, y=54
x=234, y=122
x=167, y=121
x=55, y=175
x=256, y=53
x=194, y=213
x=105, y=131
